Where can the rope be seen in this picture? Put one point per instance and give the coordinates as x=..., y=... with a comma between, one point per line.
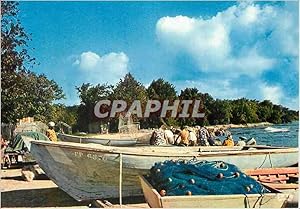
x=247, y=202
x=263, y=161
x=120, y=180
x=270, y=160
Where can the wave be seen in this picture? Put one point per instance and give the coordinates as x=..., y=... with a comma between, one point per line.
x=274, y=130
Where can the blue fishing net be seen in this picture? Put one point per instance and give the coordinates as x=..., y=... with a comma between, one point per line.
x=196, y=177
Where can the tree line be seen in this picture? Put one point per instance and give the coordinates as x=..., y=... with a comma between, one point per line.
x=28, y=94
x=217, y=111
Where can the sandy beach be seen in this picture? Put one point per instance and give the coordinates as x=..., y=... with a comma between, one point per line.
x=41, y=192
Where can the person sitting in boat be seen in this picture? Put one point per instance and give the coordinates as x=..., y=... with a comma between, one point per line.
x=251, y=141
x=159, y=137
x=218, y=142
x=192, y=137
x=169, y=136
x=50, y=133
x=241, y=142
x=227, y=133
x=177, y=137
x=228, y=141
x=184, y=135
x=203, y=137
x=4, y=158
x=211, y=138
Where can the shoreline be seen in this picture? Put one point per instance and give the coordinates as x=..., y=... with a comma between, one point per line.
x=248, y=125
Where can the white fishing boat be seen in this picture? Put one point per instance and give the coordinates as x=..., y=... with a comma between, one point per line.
x=92, y=171
x=276, y=130
x=117, y=139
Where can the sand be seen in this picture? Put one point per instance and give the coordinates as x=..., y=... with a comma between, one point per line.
x=41, y=192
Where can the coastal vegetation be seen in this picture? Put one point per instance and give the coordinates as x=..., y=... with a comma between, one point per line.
x=28, y=94
x=217, y=111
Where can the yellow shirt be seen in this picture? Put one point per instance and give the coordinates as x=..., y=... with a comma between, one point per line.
x=184, y=137
x=50, y=133
x=228, y=142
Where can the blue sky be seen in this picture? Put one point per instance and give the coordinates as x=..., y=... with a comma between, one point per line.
x=227, y=49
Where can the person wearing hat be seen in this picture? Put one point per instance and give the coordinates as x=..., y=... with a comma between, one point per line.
x=228, y=141
x=50, y=133
x=241, y=142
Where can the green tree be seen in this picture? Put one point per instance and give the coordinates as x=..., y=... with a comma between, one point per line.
x=289, y=115
x=244, y=111
x=161, y=90
x=264, y=111
x=24, y=93
x=89, y=95
x=129, y=89
x=208, y=101
x=62, y=113
x=220, y=112
x=277, y=114
x=14, y=48
x=190, y=94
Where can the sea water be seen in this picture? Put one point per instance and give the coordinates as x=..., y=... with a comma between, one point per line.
x=275, y=135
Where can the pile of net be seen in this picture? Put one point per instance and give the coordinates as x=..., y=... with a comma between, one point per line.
x=21, y=142
x=196, y=177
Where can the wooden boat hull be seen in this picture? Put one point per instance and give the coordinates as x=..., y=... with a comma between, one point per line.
x=106, y=140
x=278, y=178
x=155, y=200
x=91, y=171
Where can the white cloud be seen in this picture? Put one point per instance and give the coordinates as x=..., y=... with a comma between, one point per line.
x=243, y=39
x=107, y=68
x=272, y=93
x=89, y=60
x=275, y=94
x=220, y=89
x=291, y=102
x=223, y=89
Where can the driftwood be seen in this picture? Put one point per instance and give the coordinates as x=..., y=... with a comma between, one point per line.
x=30, y=172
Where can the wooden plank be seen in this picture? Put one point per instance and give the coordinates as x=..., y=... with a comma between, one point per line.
x=151, y=195
x=99, y=204
x=138, y=205
x=266, y=171
x=282, y=186
x=272, y=178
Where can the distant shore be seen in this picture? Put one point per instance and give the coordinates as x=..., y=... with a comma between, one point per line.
x=248, y=125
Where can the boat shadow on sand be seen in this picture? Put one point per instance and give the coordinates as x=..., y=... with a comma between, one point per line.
x=20, y=178
x=47, y=197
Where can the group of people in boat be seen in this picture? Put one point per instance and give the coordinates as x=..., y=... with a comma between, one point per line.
x=196, y=136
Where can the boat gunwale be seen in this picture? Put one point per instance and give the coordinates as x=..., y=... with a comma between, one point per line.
x=134, y=138
x=135, y=152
